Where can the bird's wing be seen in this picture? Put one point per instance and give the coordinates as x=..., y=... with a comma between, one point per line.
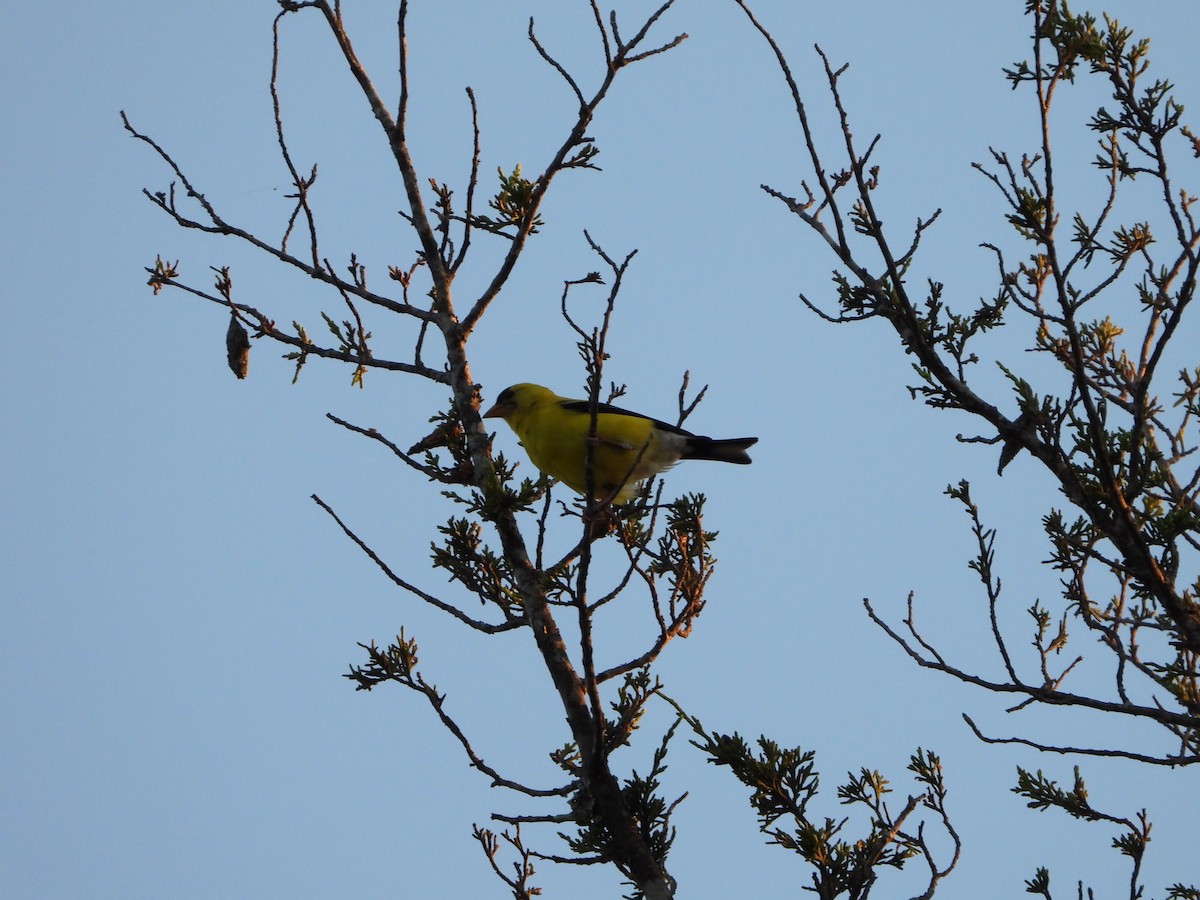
x=581, y=406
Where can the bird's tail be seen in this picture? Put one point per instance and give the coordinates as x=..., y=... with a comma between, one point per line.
x=731, y=450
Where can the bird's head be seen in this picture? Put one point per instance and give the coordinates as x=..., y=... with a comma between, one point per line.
x=518, y=399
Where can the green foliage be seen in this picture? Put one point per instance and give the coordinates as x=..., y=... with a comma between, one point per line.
x=515, y=204
x=1039, y=883
x=162, y=273
x=1124, y=464
x=683, y=554
x=583, y=157
x=474, y=566
x=395, y=662
x=1074, y=40
x=784, y=781
x=1126, y=542
x=301, y=355
x=1043, y=793
x=351, y=339
x=650, y=812
x=632, y=696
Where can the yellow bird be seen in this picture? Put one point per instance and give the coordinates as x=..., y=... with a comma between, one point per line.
x=629, y=447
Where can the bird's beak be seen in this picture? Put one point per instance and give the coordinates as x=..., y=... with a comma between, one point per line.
x=494, y=412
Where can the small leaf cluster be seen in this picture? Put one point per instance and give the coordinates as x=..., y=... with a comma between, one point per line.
x=1042, y=793
x=472, y=564
x=784, y=781
x=649, y=810
x=683, y=552
x=513, y=202
x=395, y=662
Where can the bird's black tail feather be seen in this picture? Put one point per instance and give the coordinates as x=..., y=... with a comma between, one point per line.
x=731, y=450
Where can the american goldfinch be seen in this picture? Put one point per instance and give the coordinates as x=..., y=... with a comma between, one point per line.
x=629, y=447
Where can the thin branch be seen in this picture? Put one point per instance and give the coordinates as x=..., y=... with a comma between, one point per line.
x=485, y=627
x=557, y=66
x=267, y=328
x=1044, y=695
x=302, y=185
x=219, y=226
x=438, y=702
x=406, y=458
x=472, y=184
x=576, y=137
x=1169, y=761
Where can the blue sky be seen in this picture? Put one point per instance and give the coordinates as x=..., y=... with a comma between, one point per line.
x=178, y=613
